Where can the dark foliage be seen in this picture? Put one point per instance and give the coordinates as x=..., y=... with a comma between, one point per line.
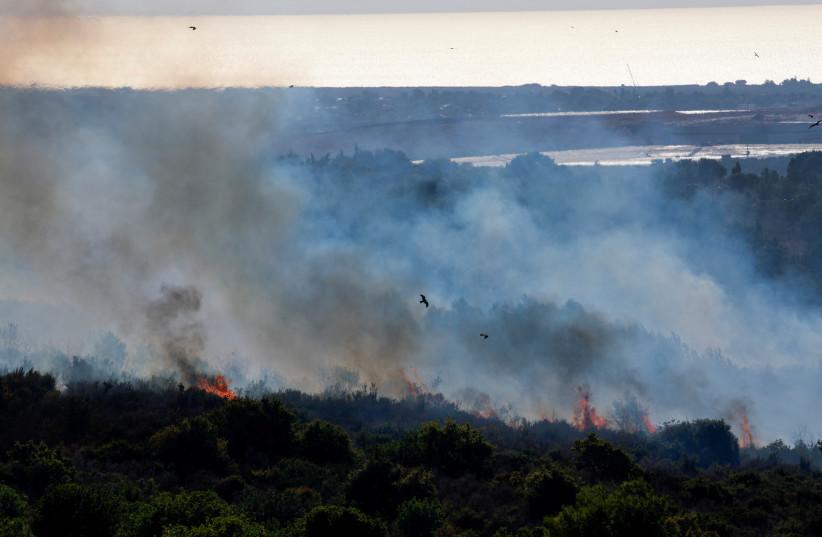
x=154, y=461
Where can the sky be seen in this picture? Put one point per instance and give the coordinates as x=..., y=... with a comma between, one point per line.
x=268, y=7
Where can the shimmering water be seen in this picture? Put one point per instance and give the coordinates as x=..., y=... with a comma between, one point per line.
x=643, y=155
x=675, y=46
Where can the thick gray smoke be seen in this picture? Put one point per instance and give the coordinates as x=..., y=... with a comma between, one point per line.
x=163, y=218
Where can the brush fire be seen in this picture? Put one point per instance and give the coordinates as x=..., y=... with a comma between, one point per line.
x=217, y=385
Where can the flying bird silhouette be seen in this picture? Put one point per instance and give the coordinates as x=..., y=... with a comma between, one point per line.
x=193, y=28
x=484, y=336
x=755, y=54
x=423, y=300
x=810, y=116
x=815, y=124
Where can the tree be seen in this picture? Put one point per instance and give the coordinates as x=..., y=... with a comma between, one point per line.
x=71, y=510
x=190, y=446
x=547, y=490
x=708, y=441
x=325, y=443
x=602, y=461
x=257, y=432
x=328, y=520
x=630, y=509
x=453, y=449
x=420, y=518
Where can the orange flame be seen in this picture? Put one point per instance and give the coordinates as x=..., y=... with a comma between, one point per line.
x=746, y=438
x=738, y=412
x=415, y=387
x=218, y=385
x=649, y=425
x=585, y=415
x=483, y=407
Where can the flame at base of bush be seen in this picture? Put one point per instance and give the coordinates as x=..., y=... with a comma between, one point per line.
x=218, y=385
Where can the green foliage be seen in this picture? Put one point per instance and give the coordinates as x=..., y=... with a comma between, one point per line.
x=12, y=505
x=19, y=390
x=707, y=441
x=325, y=443
x=257, y=432
x=70, y=510
x=190, y=446
x=187, y=509
x=420, y=518
x=221, y=526
x=328, y=520
x=453, y=449
x=602, y=461
x=32, y=467
x=15, y=527
x=274, y=509
x=630, y=509
x=547, y=490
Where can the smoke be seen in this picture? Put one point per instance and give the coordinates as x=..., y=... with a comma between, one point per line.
x=171, y=318
x=164, y=218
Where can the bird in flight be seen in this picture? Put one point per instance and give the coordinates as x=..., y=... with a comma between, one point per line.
x=193, y=28
x=484, y=336
x=810, y=116
x=423, y=300
x=755, y=54
x=815, y=124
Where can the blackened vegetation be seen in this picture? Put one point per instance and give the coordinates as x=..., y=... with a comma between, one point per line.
x=110, y=459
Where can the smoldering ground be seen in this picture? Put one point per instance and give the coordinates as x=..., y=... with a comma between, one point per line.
x=163, y=217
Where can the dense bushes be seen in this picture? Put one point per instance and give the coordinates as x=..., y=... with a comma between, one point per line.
x=451, y=448
x=706, y=441
x=183, y=464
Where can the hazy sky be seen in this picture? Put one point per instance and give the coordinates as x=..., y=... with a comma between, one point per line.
x=245, y=7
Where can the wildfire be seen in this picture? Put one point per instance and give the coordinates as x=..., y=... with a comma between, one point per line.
x=649, y=425
x=585, y=415
x=218, y=385
x=415, y=387
x=483, y=408
x=746, y=438
x=545, y=416
x=738, y=412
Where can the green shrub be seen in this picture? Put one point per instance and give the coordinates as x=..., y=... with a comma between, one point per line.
x=32, y=467
x=547, y=490
x=602, y=461
x=187, y=509
x=324, y=443
x=256, y=432
x=453, y=449
x=190, y=446
x=70, y=510
x=420, y=518
x=630, y=509
x=331, y=520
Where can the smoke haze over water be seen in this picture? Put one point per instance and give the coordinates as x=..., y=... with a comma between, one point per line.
x=164, y=218
x=165, y=221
